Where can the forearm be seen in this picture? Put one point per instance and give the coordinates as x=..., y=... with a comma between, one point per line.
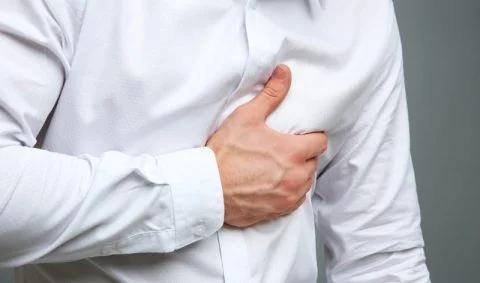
x=62, y=208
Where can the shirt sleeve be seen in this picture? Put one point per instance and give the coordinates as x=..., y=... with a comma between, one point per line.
x=365, y=200
x=57, y=208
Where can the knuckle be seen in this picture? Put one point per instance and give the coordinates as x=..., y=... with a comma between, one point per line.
x=272, y=90
x=294, y=181
x=279, y=207
x=291, y=200
x=297, y=155
x=295, y=152
x=304, y=176
x=290, y=183
x=286, y=204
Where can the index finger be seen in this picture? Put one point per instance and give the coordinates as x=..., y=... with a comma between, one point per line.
x=312, y=145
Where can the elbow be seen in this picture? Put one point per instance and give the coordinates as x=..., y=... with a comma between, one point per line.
x=406, y=265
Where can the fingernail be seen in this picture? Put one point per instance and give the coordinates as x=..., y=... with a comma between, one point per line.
x=280, y=72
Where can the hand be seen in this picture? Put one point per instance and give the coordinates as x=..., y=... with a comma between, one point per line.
x=265, y=174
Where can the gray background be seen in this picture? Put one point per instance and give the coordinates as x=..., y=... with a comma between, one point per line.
x=442, y=58
x=441, y=40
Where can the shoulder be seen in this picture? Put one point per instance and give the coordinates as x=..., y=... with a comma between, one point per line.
x=69, y=15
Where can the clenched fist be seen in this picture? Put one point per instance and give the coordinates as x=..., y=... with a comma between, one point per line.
x=265, y=174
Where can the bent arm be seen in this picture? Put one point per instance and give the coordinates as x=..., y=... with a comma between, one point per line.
x=366, y=202
x=55, y=207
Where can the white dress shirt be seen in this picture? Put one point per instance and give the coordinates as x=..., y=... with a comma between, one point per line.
x=123, y=189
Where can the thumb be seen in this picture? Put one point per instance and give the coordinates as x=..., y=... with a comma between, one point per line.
x=274, y=92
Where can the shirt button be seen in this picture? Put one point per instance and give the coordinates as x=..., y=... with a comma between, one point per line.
x=251, y=4
x=199, y=230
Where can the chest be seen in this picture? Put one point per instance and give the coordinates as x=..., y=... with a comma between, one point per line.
x=176, y=69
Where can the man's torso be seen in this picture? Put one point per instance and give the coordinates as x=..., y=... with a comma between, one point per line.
x=159, y=76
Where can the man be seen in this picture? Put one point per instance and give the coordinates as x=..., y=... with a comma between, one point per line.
x=158, y=164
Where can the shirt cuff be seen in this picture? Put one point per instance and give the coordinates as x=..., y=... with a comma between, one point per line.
x=197, y=194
